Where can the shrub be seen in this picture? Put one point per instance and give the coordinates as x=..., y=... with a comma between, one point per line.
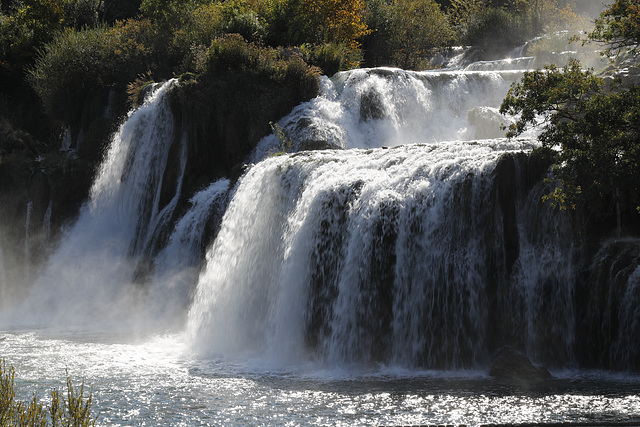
x=232, y=53
x=74, y=410
x=378, y=46
x=77, y=63
x=244, y=18
x=419, y=26
x=251, y=86
x=81, y=13
x=496, y=29
x=331, y=57
x=288, y=24
x=405, y=31
x=201, y=26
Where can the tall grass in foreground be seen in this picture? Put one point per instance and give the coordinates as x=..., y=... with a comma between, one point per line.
x=73, y=410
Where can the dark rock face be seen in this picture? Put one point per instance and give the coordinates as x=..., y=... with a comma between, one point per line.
x=509, y=364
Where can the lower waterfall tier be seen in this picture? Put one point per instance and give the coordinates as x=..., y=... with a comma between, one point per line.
x=424, y=256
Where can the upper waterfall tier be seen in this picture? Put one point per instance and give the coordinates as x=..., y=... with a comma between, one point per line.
x=368, y=108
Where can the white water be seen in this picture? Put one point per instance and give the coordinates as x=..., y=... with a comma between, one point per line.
x=283, y=328
x=93, y=264
x=178, y=264
x=329, y=213
x=368, y=108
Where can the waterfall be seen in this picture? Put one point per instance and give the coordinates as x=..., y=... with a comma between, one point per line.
x=431, y=254
x=369, y=108
x=386, y=255
x=178, y=264
x=89, y=275
x=400, y=230
x=608, y=303
x=27, y=252
x=3, y=274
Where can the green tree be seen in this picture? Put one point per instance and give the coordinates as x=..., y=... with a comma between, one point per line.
x=596, y=127
x=420, y=26
x=404, y=32
x=26, y=27
x=619, y=27
x=341, y=21
x=593, y=121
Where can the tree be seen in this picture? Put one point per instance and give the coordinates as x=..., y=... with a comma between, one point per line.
x=619, y=27
x=419, y=26
x=595, y=123
x=596, y=126
x=405, y=31
x=338, y=21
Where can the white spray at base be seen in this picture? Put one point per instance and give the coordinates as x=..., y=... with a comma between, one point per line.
x=88, y=278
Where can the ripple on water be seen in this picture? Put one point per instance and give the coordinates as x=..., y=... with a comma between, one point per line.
x=155, y=382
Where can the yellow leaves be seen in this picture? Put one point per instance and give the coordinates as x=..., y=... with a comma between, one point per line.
x=339, y=21
x=561, y=199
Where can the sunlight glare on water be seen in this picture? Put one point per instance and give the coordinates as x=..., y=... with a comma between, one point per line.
x=154, y=382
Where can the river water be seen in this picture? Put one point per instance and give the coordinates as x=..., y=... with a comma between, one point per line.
x=154, y=381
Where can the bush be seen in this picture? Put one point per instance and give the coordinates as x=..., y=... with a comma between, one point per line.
x=332, y=57
x=288, y=24
x=77, y=63
x=496, y=29
x=74, y=410
x=405, y=31
x=201, y=26
x=597, y=128
x=251, y=86
x=378, y=46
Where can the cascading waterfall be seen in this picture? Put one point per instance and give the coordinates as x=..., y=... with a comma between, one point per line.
x=97, y=256
x=432, y=253
x=370, y=256
x=27, y=252
x=368, y=108
x=178, y=264
x=401, y=256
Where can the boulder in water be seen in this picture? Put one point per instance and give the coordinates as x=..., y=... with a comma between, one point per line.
x=511, y=365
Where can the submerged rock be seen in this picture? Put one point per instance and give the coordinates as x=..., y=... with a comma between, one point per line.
x=511, y=365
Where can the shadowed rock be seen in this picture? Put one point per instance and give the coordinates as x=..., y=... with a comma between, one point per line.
x=511, y=365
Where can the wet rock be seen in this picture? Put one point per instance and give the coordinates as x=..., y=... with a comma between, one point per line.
x=511, y=365
x=487, y=122
x=371, y=106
